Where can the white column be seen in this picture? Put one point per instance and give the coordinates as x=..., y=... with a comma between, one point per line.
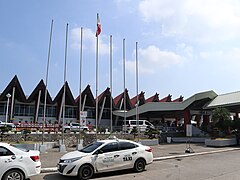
x=100, y=116
x=38, y=103
x=13, y=96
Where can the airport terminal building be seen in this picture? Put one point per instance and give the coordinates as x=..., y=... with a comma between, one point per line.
x=16, y=107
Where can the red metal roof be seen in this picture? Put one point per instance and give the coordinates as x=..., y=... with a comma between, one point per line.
x=154, y=98
x=180, y=99
x=166, y=99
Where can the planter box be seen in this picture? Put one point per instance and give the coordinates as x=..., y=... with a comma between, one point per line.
x=184, y=139
x=150, y=142
x=36, y=146
x=220, y=142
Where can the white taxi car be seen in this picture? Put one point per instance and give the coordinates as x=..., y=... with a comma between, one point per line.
x=104, y=156
x=18, y=163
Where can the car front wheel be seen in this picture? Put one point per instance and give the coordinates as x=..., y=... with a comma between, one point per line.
x=13, y=175
x=85, y=172
x=139, y=165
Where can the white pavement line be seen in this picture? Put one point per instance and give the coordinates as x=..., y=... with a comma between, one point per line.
x=193, y=154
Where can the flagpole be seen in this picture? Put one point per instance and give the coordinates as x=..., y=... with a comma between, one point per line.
x=111, y=117
x=45, y=97
x=97, y=79
x=80, y=86
x=137, y=104
x=124, y=85
x=64, y=87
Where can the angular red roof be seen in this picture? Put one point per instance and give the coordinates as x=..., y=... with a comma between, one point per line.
x=180, y=99
x=166, y=99
x=141, y=99
x=154, y=98
x=119, y=103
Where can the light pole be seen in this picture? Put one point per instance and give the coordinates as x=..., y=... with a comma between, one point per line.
x=8, y=96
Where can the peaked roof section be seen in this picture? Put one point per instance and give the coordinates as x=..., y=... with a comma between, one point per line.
x=34, y=95
x=154, y=98
x=119, y=101
x=169, y=106
x=106, y=94
x=180, y=99
x=69, y=100
x=166, y=99
x=89, y=97
x=223, y=100
x=19, y=94
x=141, y=99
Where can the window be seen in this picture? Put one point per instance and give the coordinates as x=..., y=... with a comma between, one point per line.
x=110, y=147
x=140, y=122
x=2, y=108
x=133, y=122
x=5, y=152
x=147, y=123
x=90, y=148
x=126, y=145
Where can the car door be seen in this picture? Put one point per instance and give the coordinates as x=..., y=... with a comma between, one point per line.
x=108, y=157
x=6, y=159
x=128, y=154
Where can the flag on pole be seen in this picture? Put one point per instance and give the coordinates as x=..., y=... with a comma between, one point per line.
x=98, y=26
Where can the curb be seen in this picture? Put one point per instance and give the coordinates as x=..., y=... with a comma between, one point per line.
x=194, y=154
x=54, y=169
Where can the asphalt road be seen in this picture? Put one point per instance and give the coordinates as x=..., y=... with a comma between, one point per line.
x=218, y=166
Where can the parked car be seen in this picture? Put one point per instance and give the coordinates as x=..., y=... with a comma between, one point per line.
x=74, y=127
x=18, y=163
x=104, y=156
x=143, y=125
x=11, y=126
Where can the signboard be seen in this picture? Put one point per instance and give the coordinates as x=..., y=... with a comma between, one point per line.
x=83, y=114
x=189, y=130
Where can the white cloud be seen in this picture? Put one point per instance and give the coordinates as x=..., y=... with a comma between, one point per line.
x=227, y=60
x=89, y=41
x=152, y=59
x=201, y=20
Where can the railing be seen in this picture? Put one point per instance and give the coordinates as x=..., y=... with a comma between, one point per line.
x=37, y=126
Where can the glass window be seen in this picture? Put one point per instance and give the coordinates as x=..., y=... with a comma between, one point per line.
x=133, y=122
x=140, y=122
x=110, y=147
x=126, y=145
x=90, y=148
x=5, y=152
x=147, y=123
x=2, y=109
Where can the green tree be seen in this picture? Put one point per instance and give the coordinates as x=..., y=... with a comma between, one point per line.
x=151, y=133
x=3, y=131
x=222, y=120
x=134, y=132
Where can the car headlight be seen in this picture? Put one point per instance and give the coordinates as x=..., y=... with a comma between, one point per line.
x=71, y=160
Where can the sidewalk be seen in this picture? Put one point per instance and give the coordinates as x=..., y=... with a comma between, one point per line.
x=50, y=158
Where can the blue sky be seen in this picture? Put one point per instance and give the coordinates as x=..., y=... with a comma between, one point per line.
x=185, y=47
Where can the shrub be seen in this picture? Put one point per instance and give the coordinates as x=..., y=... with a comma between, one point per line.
x=151, y=133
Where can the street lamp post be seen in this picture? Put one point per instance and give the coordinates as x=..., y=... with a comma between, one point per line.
x=8, y=97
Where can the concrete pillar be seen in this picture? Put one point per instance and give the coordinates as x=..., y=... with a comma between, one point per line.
x=187, y=117
x=198, y=119
x=206, y=120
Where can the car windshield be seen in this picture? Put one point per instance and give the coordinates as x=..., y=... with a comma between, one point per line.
x=90, y=148
x=22, y=149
